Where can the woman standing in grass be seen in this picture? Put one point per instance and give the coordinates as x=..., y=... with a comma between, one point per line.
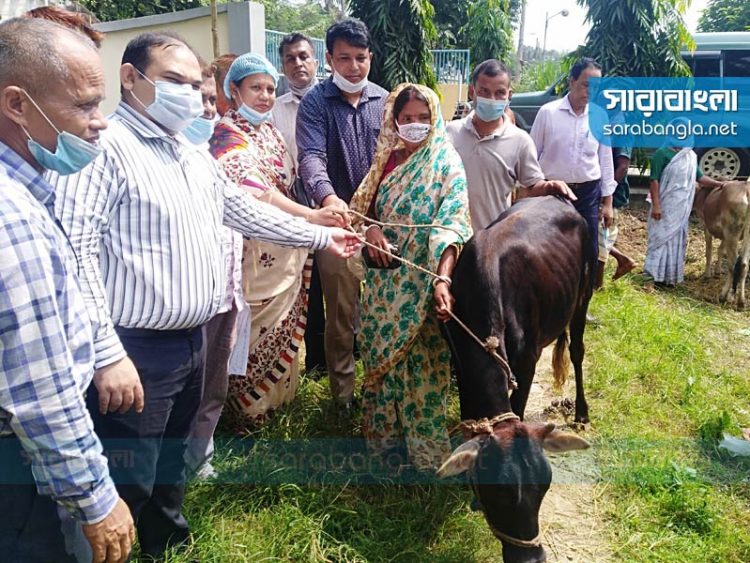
x=275, y=279
x=417, y=178
x=674, y=171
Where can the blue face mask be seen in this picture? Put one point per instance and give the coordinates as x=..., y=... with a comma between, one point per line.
x=175, y=106
x=200, y=130
x=71, y=154
x=254, y=117
x=490, y=110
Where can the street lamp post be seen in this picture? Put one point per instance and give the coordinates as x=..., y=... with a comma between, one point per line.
x=547, y=17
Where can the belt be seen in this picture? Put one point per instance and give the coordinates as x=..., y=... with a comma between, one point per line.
x=579, y=185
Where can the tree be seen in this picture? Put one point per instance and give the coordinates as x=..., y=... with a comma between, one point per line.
x=488, y=30
x=637, y=37
x=110, y=10
x=309, y=17
x=725, y=15
x=402, y=32
x=452, y=16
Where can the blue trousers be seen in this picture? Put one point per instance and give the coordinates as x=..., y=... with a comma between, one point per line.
x=33, y=528
x=587, y=204
x=146, y=451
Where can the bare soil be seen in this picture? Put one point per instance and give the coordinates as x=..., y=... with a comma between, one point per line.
x=572, y=518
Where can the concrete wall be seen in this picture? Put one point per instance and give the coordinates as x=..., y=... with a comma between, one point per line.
x=241, y=29
x=451, y=93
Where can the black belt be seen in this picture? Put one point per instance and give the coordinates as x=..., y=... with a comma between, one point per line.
x=578, y=186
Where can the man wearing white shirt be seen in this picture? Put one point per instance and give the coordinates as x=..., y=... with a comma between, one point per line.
x=145, y=222
x=300, y=66
x=568, y=151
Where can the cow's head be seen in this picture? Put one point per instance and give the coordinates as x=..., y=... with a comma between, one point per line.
x=510, y=476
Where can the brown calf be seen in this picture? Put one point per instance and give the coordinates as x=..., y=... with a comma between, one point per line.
x=725, y=215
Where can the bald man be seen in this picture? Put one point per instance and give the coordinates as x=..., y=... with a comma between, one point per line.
x=145, y=221
x=51, y=83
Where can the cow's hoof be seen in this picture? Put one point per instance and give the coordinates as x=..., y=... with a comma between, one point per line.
x=740, y=305
x=582, y=420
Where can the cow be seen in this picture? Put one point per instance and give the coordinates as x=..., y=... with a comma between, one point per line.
x=524, y=280
x=725, y=213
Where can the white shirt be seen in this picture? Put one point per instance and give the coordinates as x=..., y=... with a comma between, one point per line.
x=145, y=221
x=494, y=164
x=284, y=113
x=568, y=150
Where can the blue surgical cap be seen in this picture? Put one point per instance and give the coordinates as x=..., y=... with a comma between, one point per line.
x=245, y=65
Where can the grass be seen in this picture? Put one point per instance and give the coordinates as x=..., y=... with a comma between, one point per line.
x=666, y=376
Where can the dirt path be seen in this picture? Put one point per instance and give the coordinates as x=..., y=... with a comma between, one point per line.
x=572, y=517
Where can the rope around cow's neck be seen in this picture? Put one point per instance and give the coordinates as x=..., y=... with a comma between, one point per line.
x=491, y=343
x=471, y=428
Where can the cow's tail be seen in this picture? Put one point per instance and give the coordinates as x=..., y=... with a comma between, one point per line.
x=560, y=360
x=744, y=252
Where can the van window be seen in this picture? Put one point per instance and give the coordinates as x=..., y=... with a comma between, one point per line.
x=737, y=63
x=704, y=65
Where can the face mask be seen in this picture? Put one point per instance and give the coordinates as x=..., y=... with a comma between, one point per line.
x=71, y=155
x=348, y=87
x=175, y=106
x=413, y=132
x=490, y=110
x=200, y=130
x=254, y=117
x=300, y=92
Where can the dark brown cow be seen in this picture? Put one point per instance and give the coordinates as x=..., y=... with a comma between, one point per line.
x=524, y=280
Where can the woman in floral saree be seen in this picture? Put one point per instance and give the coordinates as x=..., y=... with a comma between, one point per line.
x=275, y=279
x=417, y=178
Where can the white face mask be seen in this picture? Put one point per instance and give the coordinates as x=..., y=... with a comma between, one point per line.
x=175, y=106
x=413, y=132
x=348, y=87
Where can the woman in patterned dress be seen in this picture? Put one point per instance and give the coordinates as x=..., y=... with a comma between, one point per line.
x=275, y=279
x=417, y=178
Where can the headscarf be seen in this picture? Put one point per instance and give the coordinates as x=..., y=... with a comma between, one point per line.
x=245, y=65
x=389, y=141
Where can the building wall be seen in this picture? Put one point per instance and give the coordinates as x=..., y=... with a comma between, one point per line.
x=241, y=28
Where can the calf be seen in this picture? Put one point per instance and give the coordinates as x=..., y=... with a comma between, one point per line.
x=724, y=212
x=525, y=281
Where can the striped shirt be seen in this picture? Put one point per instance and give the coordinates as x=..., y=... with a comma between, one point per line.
x=145, y=221
x=46, y=354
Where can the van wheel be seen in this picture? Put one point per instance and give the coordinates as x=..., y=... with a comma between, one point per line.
x=724, y=163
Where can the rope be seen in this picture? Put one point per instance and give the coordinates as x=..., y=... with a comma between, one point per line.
x=405, y=226
x=470, y=427
x=491, y=344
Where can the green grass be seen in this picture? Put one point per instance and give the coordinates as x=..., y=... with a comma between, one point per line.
x=666, y=375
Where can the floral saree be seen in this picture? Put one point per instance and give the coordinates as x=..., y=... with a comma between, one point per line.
x=275, y=279
x=406, y=360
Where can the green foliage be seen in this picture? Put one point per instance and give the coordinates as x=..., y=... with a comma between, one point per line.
x=452, y=16
x=637, y=37
x=538, y=75
x=713, y=429
x=402, y=32
x=488, y=31
x=110, y=10
x=725, y=15
x=308, y=17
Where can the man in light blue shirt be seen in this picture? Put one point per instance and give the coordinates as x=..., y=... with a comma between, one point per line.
x=51, y=83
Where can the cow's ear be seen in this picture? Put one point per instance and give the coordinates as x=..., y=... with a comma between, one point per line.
x=462, y=458
x=556, y=441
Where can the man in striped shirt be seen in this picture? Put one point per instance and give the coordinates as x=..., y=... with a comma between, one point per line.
x=145, y=220
x=51, y=83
